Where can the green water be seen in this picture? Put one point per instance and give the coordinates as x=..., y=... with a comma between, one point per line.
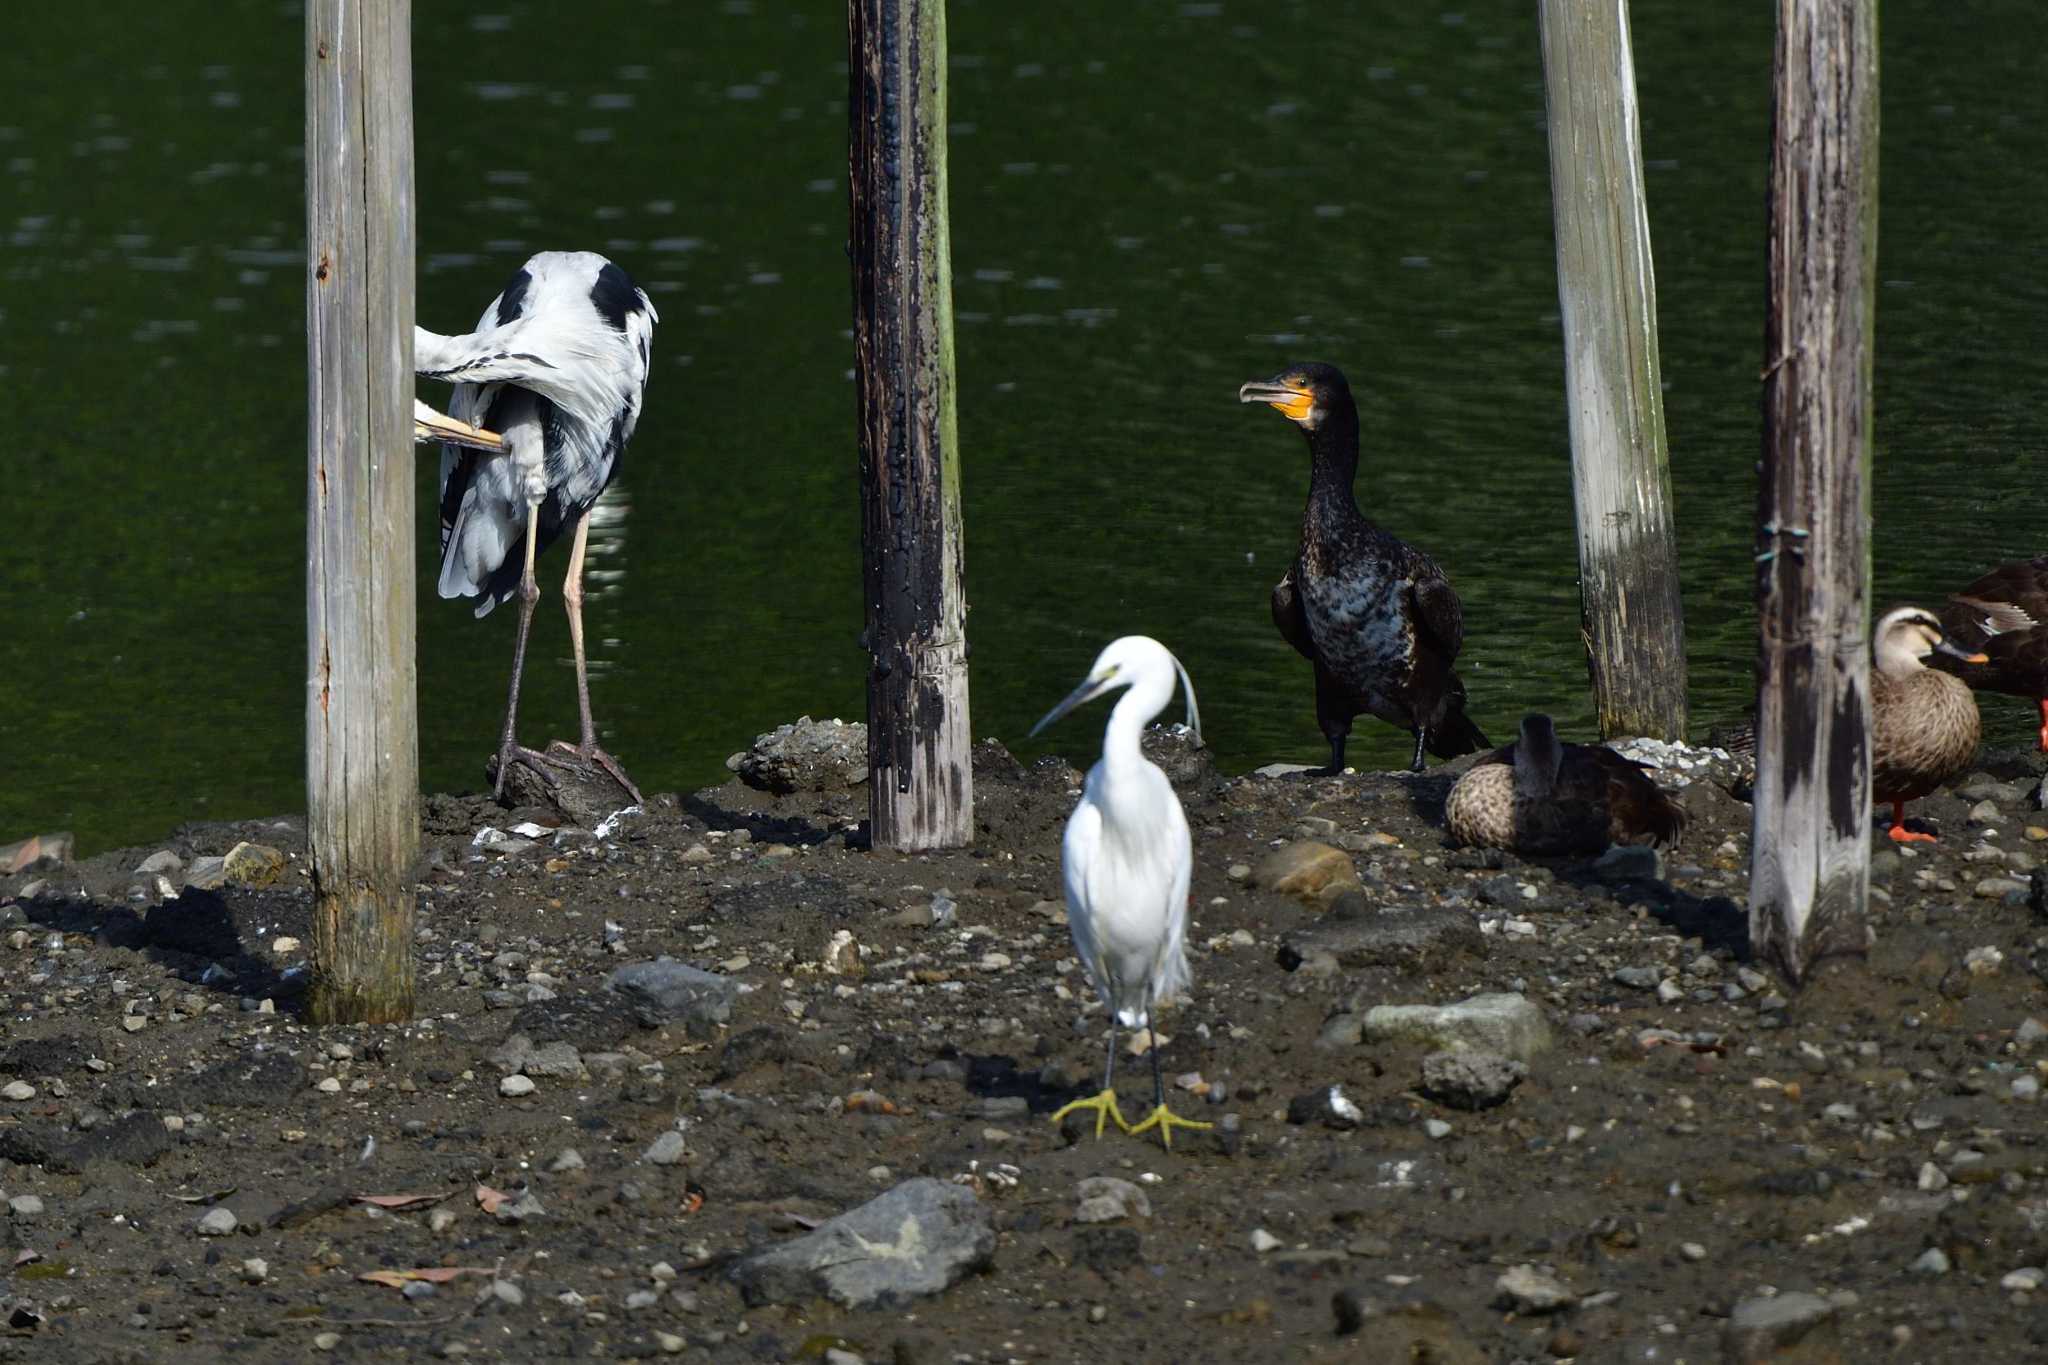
x=1153, y=203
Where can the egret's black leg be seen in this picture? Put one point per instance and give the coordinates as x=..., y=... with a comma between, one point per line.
x=529, y=593
x=1104, y=1104
x=572, y=599
x=1162, y=1118
x=1421, y=739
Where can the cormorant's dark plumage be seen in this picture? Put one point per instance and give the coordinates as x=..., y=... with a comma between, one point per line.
x=1374, y=614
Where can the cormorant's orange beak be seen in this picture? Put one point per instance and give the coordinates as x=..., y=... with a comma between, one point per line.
x=1294, y=400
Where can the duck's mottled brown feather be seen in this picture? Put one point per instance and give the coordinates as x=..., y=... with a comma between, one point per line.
x=1923, y=732
x=1598, y=798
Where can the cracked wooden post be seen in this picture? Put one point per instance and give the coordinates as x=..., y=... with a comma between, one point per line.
x=362, y=752
x=1809, y=867
x=920, y=775
x=1632, y=620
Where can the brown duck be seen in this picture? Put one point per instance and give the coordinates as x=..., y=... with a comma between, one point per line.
x=1923, y=723
x=2003, y=617
x=1541, y=795
x=1375, y=615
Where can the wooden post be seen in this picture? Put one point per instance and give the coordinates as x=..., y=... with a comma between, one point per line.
x=920, y=778
x=362, y=759
x=1632, y=621
x=1809, y=872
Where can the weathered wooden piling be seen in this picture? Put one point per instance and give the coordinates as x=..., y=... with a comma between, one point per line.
x=362, y=759
x=920, y=779
x=1809, y=869
x=1633, y=622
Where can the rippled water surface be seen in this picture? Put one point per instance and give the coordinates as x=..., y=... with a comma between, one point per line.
x=1152, y=203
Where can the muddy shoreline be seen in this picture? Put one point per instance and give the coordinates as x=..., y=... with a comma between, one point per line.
x=1691, y=1160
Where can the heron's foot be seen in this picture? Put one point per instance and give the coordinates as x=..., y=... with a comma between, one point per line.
x=512, y=752
x=1105, y=1109
x=1165, y=1120
x=562, y=750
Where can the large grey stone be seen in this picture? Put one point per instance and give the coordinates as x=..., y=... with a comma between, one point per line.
x=666, y=991
x=1511, y=1025
x=1417, y=938
x=1471, y=1079
x=920, y=1238
x=1784, y=1328
x=810, y=755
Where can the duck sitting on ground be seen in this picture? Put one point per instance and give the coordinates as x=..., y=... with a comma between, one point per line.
x=2003, y=616
x=1923, y=723
x=1541, y=795
x=1375, y=615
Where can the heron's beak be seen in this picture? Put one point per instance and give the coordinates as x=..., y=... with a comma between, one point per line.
x=1955, y=651
x=1294, y=401
x=430, y=425
x=1086, y=692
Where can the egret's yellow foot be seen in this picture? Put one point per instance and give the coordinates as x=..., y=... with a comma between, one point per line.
x=1105, y=1109
x=1165, y=1120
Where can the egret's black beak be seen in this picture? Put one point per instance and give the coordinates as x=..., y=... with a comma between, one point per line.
x=430, y=425
x=1295, y=401
x=1086, y=692
x=1956, y=651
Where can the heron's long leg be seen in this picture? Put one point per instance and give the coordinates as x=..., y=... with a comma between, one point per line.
x=572, y=599
x=529, y=593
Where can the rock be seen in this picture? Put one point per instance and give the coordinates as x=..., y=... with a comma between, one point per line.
x=1637, y=978
x=161, y=861
x=1511, y=1025
x=511, y=1087
x=1327, y=1105
x=554, y=1059
x=1933, y=1261
x=806, y=756
x=255, y=866
x=2027, y=1277
x=35, y=851
x=1984, y=812
x=1783, y=1328
x=1179, y=754
x=1294, y=769
x=25, y=1205
x=209, y=873
x=566, y=1160
x=17, y=1090
x=1106, y=1199
x=666, y=991
x=1629, y=863
x=1313, y=871
x=2029, y=1034
x=918, y=1239
x=1471, y=1079
x=1526, y=1289
x=666, y=1150
x=218, y=1222
x=1264, y=1241
x=1394, y=936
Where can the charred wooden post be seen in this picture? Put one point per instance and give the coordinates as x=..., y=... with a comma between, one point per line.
x=1809, y=870
x=1633, y=622
x=920, y=778
x=362, y=751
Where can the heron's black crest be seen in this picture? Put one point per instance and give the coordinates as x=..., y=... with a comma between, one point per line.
x=513, y=300
x=614, y=296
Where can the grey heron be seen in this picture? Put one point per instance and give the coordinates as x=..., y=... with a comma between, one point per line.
x=557, y=369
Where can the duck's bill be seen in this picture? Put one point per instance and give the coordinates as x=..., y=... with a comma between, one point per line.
x=431, y=425
x=1086, y=692
x=1956, y=651
x=1292, y=402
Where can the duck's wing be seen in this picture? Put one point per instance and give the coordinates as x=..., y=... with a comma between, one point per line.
x=1637, y=808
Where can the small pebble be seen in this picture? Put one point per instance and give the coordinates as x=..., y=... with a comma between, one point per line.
x=1264, y=1241
x=25, y=1205
x=1933, y=1261
x=218, y=1222
x=17, y=1090
x=512, y=1087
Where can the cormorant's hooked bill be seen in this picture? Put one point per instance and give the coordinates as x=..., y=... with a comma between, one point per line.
x=1290, y=393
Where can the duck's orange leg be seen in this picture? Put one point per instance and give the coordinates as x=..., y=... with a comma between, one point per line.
x=2044, y=725
x=1899, y=832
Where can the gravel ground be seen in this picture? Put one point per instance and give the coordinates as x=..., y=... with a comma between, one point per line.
x=1633, y=1147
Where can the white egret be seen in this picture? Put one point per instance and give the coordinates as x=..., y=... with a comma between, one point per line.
x=557, y=369
x=1126, y=861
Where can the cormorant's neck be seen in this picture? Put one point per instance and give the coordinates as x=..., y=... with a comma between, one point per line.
x=1333, y=458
